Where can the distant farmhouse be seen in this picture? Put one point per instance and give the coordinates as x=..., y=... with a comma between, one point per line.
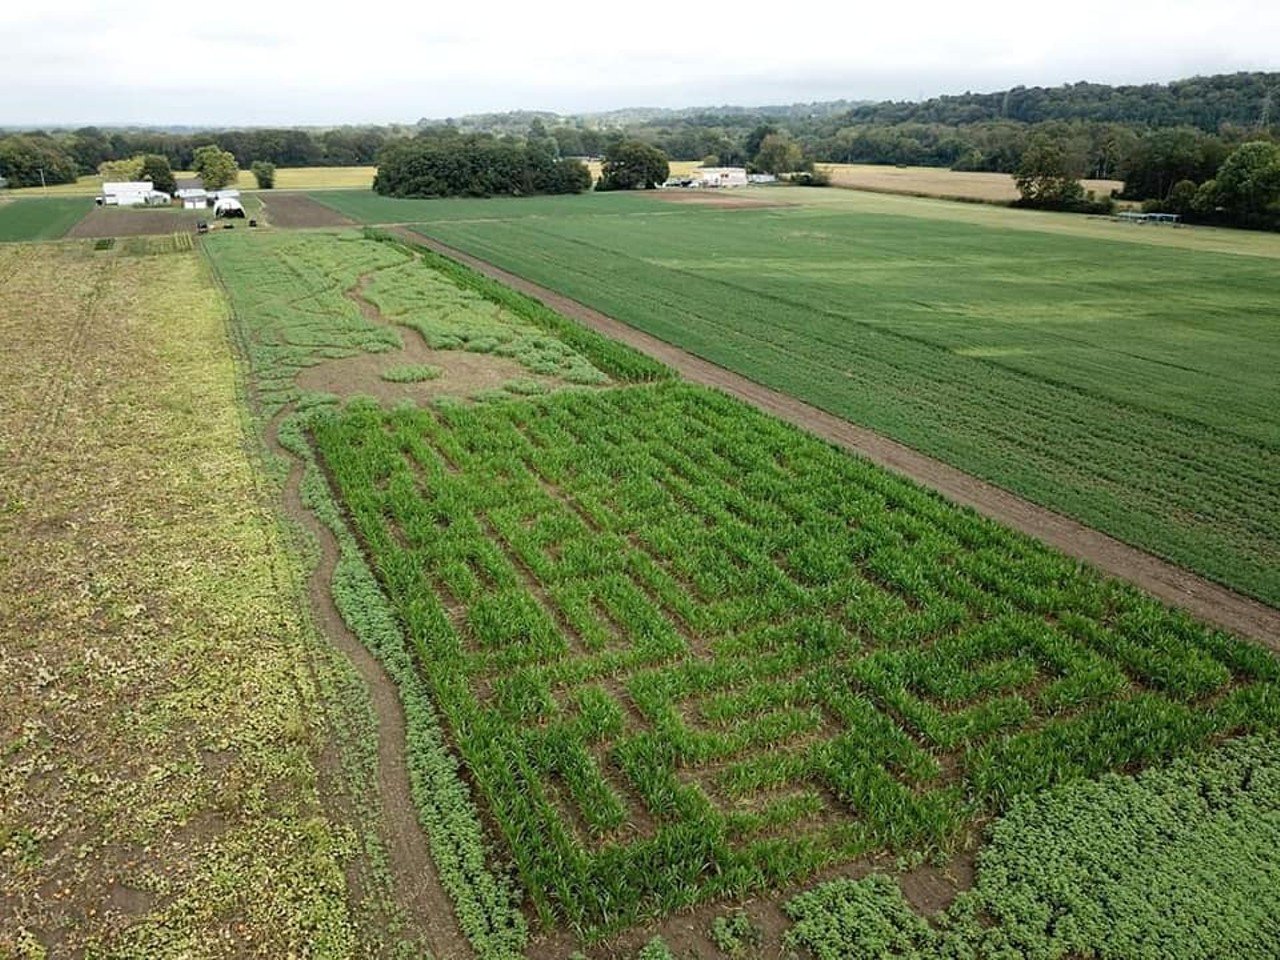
x=717, y=177
x=192, y=193
x=720, y=176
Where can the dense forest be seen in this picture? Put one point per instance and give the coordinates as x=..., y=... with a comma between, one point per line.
x=475, y=165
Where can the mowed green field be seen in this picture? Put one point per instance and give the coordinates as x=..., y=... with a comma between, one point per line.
x=1128, y=383
x=41, y=218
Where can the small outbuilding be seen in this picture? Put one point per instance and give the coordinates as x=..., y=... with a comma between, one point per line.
x=192, y=193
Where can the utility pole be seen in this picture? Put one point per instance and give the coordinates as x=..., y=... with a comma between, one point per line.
x=43, y=186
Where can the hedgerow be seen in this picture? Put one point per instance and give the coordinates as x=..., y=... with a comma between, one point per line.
x=685, y=650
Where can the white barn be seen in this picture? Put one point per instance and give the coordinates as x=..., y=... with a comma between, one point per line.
x=192, y=193
x=126, y=193
x=720, y=176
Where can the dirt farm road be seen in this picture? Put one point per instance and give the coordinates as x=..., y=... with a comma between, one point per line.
x=1175, y=586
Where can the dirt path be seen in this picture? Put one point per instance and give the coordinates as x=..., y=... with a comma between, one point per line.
x=413, y=871
x=419, y=892
x=1172, y=584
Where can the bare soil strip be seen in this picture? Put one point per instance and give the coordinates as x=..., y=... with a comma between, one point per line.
x=1202, y=598
x=297, y=210
x=114, y=222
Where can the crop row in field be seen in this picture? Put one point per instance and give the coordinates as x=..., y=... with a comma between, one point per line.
x=40, y=218
x=685, y=650
x=1129, y=386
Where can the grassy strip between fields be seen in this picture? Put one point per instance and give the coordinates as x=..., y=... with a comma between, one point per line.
x=1174, y=864
x=40, y=218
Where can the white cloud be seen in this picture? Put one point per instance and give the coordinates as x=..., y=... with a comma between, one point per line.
x=293, y=62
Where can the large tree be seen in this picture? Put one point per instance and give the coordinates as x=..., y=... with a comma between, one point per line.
x=632, y=165
x=24, y=159
x=217, y=167
x=1249, y=180
x=1045, y=177
x=778, y=153
x=156, y=169
x=264, y=173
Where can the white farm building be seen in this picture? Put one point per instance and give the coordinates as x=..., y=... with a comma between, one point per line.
x=132, y=193
x=720, y=176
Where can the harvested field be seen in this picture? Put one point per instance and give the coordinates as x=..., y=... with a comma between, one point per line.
x=163, y=788
x=939, y=182
x=134, y=222
x=299, y=210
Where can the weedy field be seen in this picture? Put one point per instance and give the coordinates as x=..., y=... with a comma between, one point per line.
x=166, y=705
x=40, y=218
x=1127, y=384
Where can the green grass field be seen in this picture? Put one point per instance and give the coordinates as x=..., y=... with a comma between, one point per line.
x=1130, y=384
x=369, y=207
x=40, y=218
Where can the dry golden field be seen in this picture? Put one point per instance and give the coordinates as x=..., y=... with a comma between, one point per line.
x=938, y=181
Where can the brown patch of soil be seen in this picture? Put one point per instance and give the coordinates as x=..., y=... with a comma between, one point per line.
x=464, y=373
x=714, y=198
x=294, y=210
x=1175, y=586
x=132, y=222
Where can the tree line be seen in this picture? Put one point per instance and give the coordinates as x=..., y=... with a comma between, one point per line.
x=65, y=155
x=1156, y=138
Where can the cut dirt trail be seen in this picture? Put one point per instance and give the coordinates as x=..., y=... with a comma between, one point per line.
x=1175, y=586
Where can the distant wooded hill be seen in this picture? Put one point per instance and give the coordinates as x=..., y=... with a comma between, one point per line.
x=1241, y=99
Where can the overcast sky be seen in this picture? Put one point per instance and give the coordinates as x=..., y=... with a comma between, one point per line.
x=290, y=62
